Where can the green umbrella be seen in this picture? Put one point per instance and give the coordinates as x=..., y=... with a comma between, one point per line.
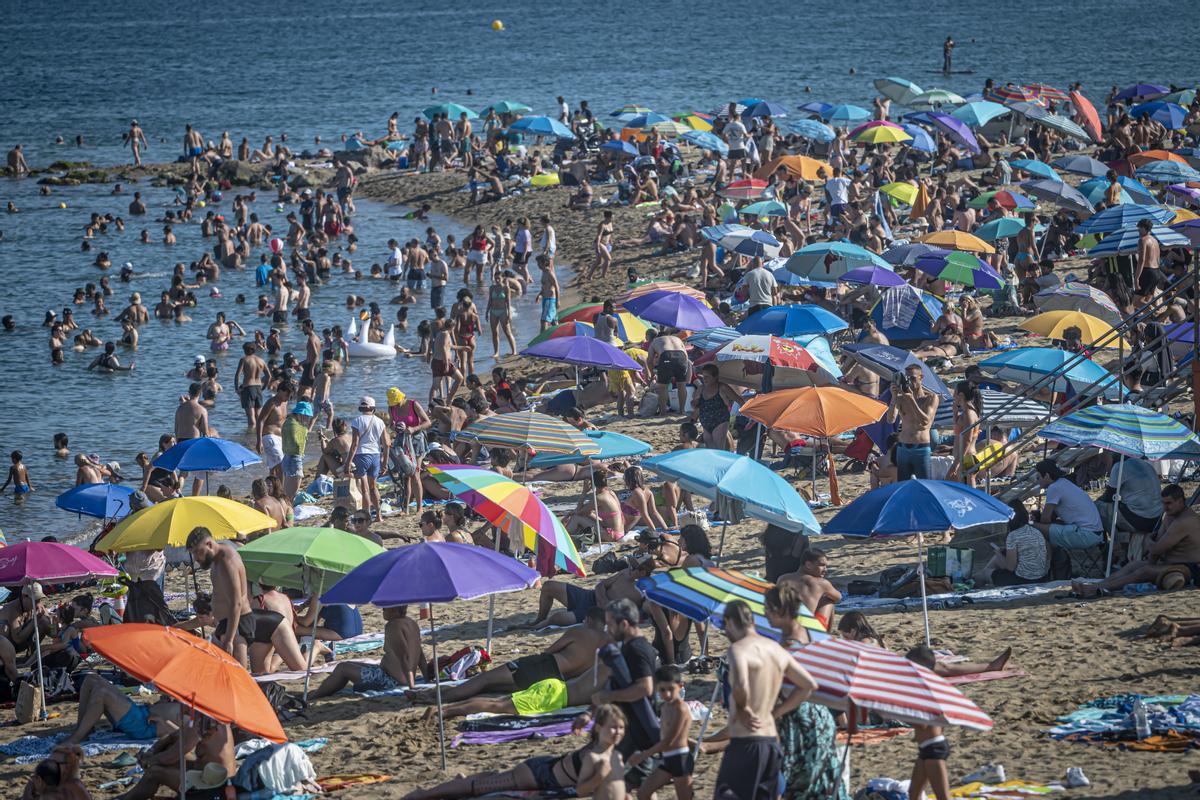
x=304, y=558
x=509, y=107
x=453, y=110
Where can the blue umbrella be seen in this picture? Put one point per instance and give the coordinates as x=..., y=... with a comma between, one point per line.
x=811, y=129
x=1125, y=241
x=1168, y=172
x=1028, y=365
x=646, y=120
x=898, y=90
x=712, y=338
x=1169, y=115
x=754, y=243
x=876, y=276
x=844, y=115
x=793, y=320
x=622, y=147
x=746, y=102
x=1141, y=91
x=830, y=260
x=763, y=108
x=1125, y=215
x=207, y=454
x=542, y=126
x=956, y=129
x=979, y=113
x=673, y=308
x=1035, y=167
x=612, y=445
x=1002, y=228
x=921, y=140
x=582, y=351
x=816, y=107
x=1059, y=193
x=1096, y=189
x=905, y=255
x=729, y=479
x=706, y=140
x=103, y=500
x=1081, y=165
x=955, y=266
x=715, y=233
x=888, y=362
x=785, y=278
x=764, y=208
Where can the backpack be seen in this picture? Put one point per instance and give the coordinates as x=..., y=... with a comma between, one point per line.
x=284, y=705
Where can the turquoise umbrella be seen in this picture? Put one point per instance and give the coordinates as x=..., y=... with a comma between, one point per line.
x=979, y=113
x=1002, y=228
x=612, y=445
x=509, y=107
x=828, y=261
x=765, y=208
x=454, y=110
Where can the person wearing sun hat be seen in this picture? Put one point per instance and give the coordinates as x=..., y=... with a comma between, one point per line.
x=295, y=437
x=369, y=445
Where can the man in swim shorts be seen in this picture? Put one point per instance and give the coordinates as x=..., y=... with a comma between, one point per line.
x=578, y=601
x=544, y=697
x=99, y=698
x=270, y=428
x=668, y=360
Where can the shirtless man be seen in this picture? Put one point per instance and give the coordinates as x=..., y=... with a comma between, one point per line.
x=269, y=428
x=757, y=669
x=403, y=660
x=193, y=146
x=817, y=593
x=191, y=421
x=16, y=162
x=335, y=450
x=1027, y=249
x=135, y=313
x=17, y=618
x=916, y=407
x=1149, y=252
x=577, y=600
x=234, y=626
x=446, y=375
x=248, y=382
x=312, y=353
x=271, y=506
x=669, y=363
x=543, y=697
x=212, y=743
x=107, y=361
x=548, y=294
x=1175, y=543
x=568, y=657
x=136, y=139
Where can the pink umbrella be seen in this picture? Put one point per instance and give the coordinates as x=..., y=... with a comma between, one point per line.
x=50, y=562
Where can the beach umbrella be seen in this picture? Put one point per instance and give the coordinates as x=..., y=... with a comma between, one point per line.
x=620, y=148
x=1047, y=93
x=882, y=134
x=1035, y=167
x=1075, y=296
x=582, y=351
x=888, y=362
x=830, y=260
x=745, y=189
x=934, y=99
x=744, y=362
x=167, y=524
x=961, y=268
x=542, y=126
x=715, y=233
x=1141, y=91
x=453, y=110
x=103, y=500
x=1059, y=193
x=793, y=320
x=509, y=107
x=844, y=115
x=646, y=287
x=1081, y=165
x=1012, y=94
x=1134, y=190
x=1190, y=229
x=956, y=129
x=428, y=573
x=813, y=130
x=957, y=240
x=918, y=506
x=612, y=445
x=1002, y=228
x=1029, y=365
x=517, y=511
x=905, y=255
x=1169, y=115
x=815, y=107
x=206, y=454
x=1126, y=240
x=695, y=120
x=529, y=429
x=572, y=328
x=752, y=242
x=714, y=337
x=802, y=167
x=675, y=309
x=876, y=276
x=646, y=119
x=765, y=108
x=1168, y=172
x=197, y=673
x=764, y=208
x=706, y=140
x=1184, y=215
x=1133, y=432
x=1088, y=116
x=1096, y=191
x=583, y=312
x=902, y=191
x=852, y=675
x=979, y=113
x=1053, y=325
x=921, y=140
x=308, y=560
x=1005, y=198
x=1063, y=125
x=1184, y=97
x=1144, y=157
x=785, y=278
x=898, y=90
x=701, y=593
x=1000, y=408
x=630, y=110
x=1188, y=193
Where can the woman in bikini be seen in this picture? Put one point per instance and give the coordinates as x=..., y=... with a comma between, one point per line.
x=948, y=346
x=968, y=406
x=639, y=507
x=711, y=407
x=603, y=514
x=972, y=322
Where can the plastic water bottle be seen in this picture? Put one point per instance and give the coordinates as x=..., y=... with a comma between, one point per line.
x=1141, y=722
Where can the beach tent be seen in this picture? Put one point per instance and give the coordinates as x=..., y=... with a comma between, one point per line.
x=925, y=309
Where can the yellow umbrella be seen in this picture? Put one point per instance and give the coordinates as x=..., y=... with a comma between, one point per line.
x=882, y=134
x=1052, y=324
x=695, y=122
x=904, y=192
x=1183, y=215
x=168, y=523
x=670, y=128
x=958, y=240
x=633, y=328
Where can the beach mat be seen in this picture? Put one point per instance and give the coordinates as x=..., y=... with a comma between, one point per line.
x=32, y=749
x=318, y=669
x=872, y=735
x=997, y=675
x=950, y=599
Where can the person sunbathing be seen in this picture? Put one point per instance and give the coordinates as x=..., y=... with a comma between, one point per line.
x=99, y=698
x=209, y=768
x=543, y=697
x=403, y=659
x=57, y=777
x=568, y=657
x=1178, y=631
x=855, y=627
x=595, y=770
x=577, y=600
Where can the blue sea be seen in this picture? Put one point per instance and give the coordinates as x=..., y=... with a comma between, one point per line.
x=257, y=69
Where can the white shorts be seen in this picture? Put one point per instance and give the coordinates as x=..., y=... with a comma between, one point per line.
x=272, y=450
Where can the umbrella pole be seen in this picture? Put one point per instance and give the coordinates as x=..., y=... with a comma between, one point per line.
x=921, y=572
x=758, y=442
x=437, y=681
x=721, y=547
x=37, y=643
x=312, y=646
x=492, y=597
x=712, y=701
x=851, y=725
x=1112, y=520
x=814, y=472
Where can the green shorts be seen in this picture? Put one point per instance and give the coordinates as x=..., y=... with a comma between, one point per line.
x=541, y=698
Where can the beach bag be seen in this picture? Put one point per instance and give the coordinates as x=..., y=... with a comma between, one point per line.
x=145, y=603
x=58, y=684
x=346, y=494
x=29, y=702
x=609, y=563
x=956, y=563
x=284, y=705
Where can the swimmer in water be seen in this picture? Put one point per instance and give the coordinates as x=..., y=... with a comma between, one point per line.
x=107, y=361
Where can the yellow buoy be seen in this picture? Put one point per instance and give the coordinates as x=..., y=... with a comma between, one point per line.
x=200, y=203
x=497, y=25
x=62, y=205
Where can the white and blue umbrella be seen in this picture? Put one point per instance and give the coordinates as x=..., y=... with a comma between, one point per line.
x=1126, y=215
x=813, y=130
x=1125, y=241
x=754, y=243
x=1168, y=172
x=921, y=140
x=612, y=445
x=1132, y=191
x=706, y=140
x=898, y=90
x=845, y=115
x=542, y=126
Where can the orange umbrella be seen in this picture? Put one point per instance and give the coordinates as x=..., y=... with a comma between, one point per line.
x=814, y=410
x=1087, y=113
x=802, y=167
x=197, y=673
x=1148, y=156
x=957, y=240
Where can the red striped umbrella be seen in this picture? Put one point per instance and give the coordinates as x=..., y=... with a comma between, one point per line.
x=746, y=189
x=1013, y=94
x=852, y=673
x=1047, y=92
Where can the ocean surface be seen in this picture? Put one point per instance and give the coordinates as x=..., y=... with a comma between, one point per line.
x=258, y=69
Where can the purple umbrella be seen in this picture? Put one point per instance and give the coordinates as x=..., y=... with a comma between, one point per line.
x=956, y=129
x=674, y=309
x=431, y=572
x=1141, y=91
x=582, y=351
x=877, y=276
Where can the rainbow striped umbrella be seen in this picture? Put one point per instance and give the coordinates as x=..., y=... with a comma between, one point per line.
x=531, y=429
x=700, y=593
x=517, y=511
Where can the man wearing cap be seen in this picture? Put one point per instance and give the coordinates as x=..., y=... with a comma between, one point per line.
x=295, y=437
x=369, y=446
x=1069, y=516
x=135, y=313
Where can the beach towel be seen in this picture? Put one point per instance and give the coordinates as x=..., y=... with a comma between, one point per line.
x=318, y=669
x=544, y=731
x=32, y=749
x=363, y=643
x=512, y=722
x=620, y=678
x=997, y=675
x=1014, y=788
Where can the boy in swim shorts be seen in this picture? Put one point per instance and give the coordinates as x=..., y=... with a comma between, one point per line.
x=932, y=748
x=676, y=762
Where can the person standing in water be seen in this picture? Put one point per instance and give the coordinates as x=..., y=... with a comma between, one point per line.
x=948, y=55
x=136, y=139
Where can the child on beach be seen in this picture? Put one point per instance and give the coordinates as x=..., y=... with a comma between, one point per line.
x=18, y=476
x=676, y=761
x=932, y=747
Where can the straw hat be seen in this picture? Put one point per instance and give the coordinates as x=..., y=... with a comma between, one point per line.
x=1173, y=578
x=213, y=776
